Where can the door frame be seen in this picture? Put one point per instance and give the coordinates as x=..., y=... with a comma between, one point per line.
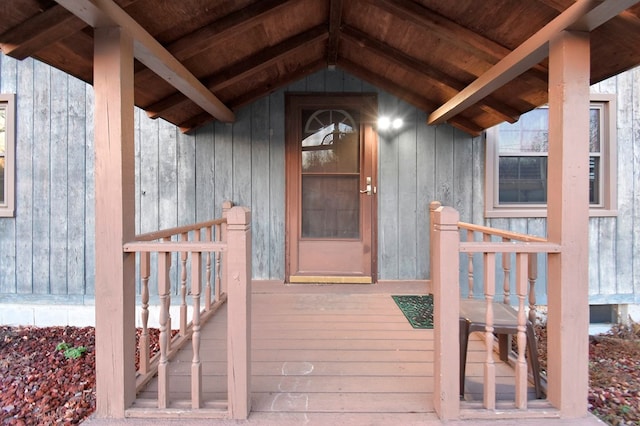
x=367, y=103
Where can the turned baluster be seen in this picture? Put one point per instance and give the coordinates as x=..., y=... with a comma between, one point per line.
x=506, y=269
x=533, y=276
x=218, y=255
x=164, y=286
x=168, y=299
x=183, y=287
x=521, y=364
x=196, y=366
x=207, y=292
x=489, y=366
x=143, y=344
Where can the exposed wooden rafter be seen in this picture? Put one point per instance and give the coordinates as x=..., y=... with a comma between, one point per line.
x=223, y=57
x=244, y=69
x=335, y=22
x=48, y=27
x=220, y=30
x=459, y=36
x=32, y=35
x=102, y=13
x=445, y=82
x=584, y=15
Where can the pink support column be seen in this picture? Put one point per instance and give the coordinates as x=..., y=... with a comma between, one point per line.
x=115, y=212
x=445, y=242
x=238, y=288
x=568, y=223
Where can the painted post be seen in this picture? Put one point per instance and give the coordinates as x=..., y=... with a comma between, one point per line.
x=568, y=223
x=238, y=288
x=115, y=213
x=445, y=261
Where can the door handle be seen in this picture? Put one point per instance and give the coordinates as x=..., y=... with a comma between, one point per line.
x=370, y=189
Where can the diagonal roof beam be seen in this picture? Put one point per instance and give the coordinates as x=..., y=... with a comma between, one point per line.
x=404, y=94
x=584, y=15
x=257, y=93
x=440, y=79
x=101, y=13
x=335, y=21
x=243, y=69
x=561, y=5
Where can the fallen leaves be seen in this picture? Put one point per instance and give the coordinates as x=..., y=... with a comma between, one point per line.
x=614, y=373
x=39, y=385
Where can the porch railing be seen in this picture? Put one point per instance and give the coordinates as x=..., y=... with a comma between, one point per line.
x=207, y=254
x=450, y=239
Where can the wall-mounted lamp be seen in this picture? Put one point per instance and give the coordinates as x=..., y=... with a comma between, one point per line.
x=386, y=123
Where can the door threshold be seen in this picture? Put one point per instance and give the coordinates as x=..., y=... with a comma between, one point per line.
x=323, y=279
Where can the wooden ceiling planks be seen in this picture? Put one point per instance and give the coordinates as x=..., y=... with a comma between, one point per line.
x=423, y=51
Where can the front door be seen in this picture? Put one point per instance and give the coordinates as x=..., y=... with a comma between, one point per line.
x=331, y=188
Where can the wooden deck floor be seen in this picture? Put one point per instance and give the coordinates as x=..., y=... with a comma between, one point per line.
x=332, y=350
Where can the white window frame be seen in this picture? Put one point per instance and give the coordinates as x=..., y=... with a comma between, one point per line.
x=608, y=170
x=7, y=206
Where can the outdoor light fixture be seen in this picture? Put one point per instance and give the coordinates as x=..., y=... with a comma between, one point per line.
x=386, y=123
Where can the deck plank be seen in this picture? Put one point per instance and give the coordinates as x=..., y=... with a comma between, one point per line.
x=318, y=350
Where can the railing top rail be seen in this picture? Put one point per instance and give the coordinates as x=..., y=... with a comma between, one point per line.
x=509, y=247
x=156, y=235
x=501, y=233
x=174, y=246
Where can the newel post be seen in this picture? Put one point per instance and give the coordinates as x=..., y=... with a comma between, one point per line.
x=238, y=287
x=445, y=260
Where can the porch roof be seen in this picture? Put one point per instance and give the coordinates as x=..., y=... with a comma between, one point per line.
x=220, y=55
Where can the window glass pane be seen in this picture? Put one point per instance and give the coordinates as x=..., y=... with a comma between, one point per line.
x=330, y=154
x=594, y=180
x=509, y=140
x=522, y=180
x=594, y=129
x=330, y=142
x=2, y=201
x=537, y=119
x=522, y=150
x=529, y=134
x=330, y=207
x=3, y=150
x=535, y=141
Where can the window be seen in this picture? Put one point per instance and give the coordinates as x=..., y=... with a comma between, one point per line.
x=516, y=174
x=7, y=156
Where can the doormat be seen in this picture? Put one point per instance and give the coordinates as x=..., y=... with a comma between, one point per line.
x=417, y=309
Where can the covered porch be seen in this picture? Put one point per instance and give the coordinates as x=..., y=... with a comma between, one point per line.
x=333, y=353
x=269, y=337
x=268, y=351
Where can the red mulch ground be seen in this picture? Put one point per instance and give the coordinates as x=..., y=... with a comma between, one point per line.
x=40, y=386
x=614, y=373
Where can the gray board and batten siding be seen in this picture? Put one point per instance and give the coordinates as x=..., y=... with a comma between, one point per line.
x=46, y=250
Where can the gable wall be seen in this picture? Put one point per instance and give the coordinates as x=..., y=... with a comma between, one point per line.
x=47, y=249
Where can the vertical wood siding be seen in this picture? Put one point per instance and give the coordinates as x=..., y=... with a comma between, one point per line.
x=47, y=249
